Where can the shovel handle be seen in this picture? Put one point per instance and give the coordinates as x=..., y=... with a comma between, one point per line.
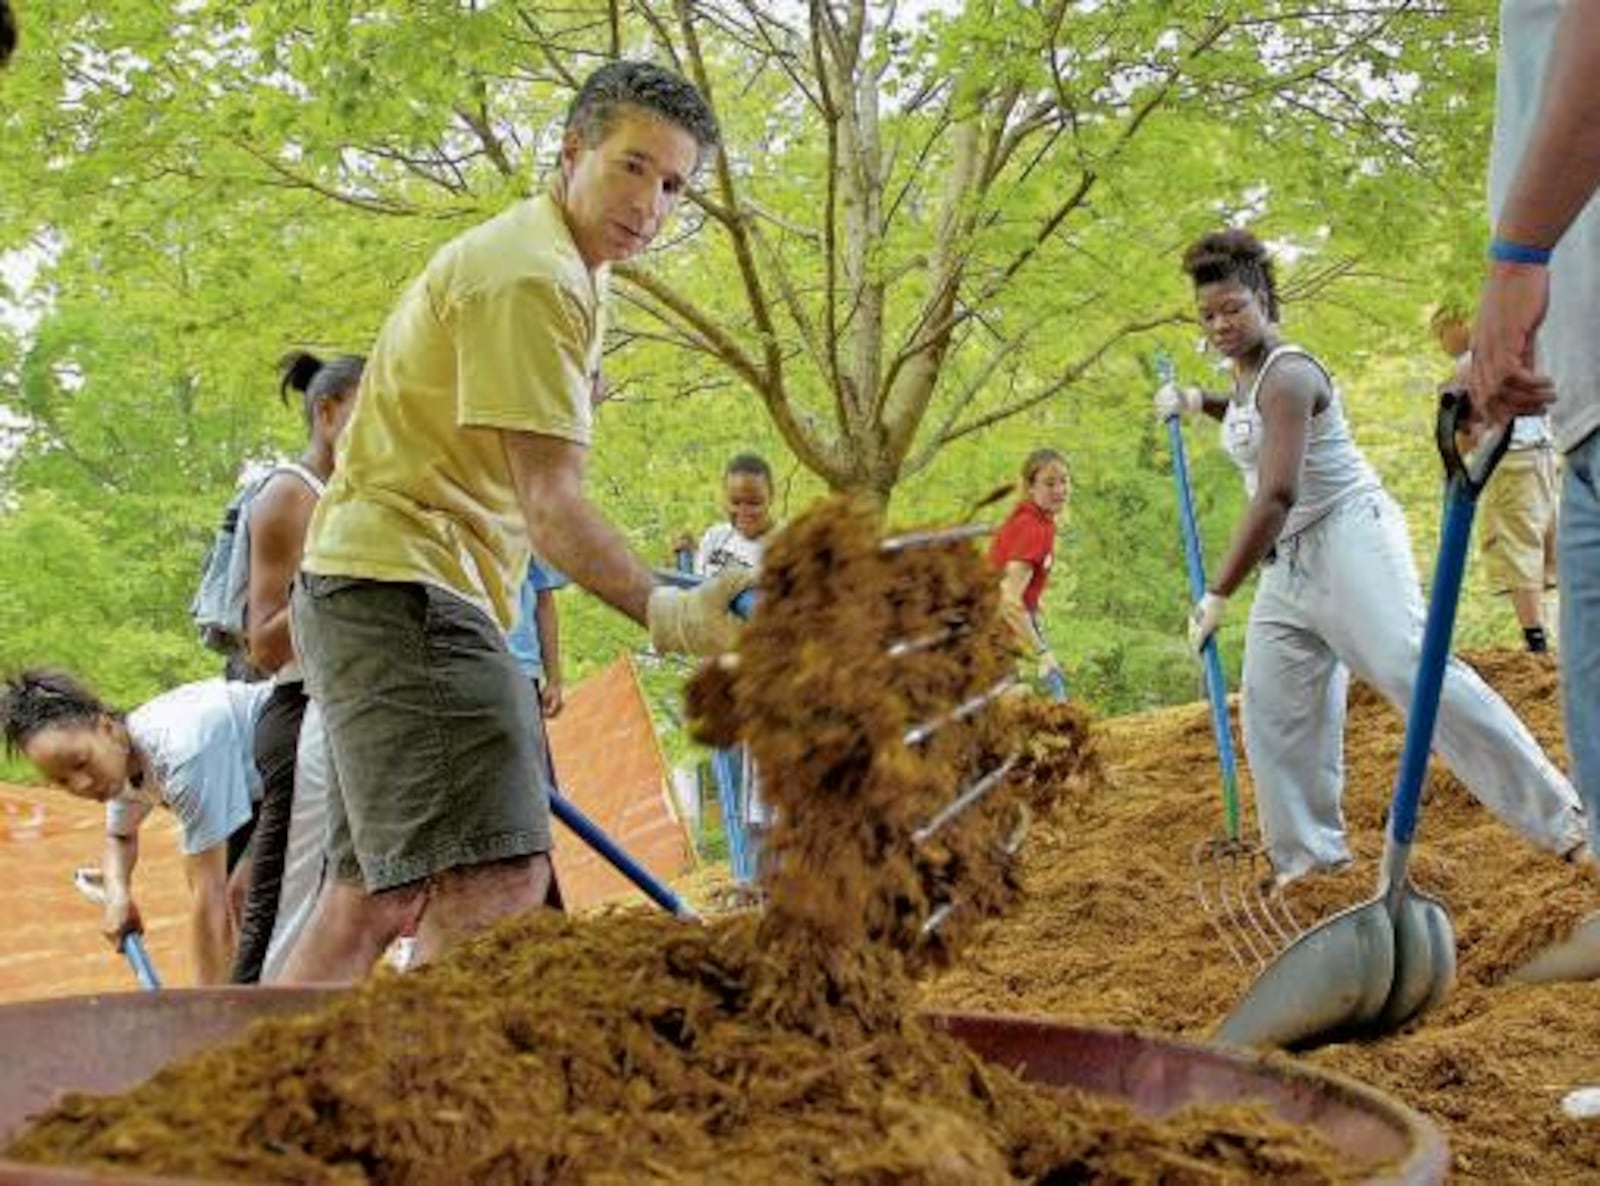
x=614, y=855
x=1058, y=687
x=1474, y=470
x=139, y=960
x=1210, y=658
x=1465, y=480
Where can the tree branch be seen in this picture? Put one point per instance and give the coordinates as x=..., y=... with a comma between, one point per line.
x=1051, y=390
x=296, y=180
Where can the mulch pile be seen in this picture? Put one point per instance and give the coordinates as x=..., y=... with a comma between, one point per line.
x=1110, y=930
x=761, y=1048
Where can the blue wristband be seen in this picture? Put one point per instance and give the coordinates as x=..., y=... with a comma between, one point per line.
x=1506, y=252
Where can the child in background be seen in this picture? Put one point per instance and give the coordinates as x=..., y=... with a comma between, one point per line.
x=1023, y=552
x=747, y=491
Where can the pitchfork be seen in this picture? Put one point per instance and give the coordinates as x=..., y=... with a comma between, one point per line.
x=987, y=782
x=1229, y=873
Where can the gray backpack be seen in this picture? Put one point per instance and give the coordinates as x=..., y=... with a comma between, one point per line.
x=218, y=608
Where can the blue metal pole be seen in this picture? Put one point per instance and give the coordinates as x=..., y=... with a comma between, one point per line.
x=1210, y=658
x=139, y=960
x=1423, y=716
x=591, y=834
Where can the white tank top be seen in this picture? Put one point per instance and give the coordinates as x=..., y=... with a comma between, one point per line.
x=1333, y=468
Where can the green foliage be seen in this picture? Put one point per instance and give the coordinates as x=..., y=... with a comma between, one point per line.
x=206, y=187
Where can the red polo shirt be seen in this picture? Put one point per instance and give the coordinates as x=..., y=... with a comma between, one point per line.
x=1028, y=536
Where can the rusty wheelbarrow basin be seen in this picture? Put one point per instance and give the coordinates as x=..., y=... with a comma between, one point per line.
x=108, y=1043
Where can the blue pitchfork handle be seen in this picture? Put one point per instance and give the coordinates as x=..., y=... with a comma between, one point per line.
x=1210, y=658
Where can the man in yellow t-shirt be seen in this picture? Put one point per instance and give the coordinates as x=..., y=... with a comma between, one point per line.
x=468, y=443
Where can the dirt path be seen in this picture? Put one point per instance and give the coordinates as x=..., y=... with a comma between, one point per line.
x=1109, y=931
x=50, y=945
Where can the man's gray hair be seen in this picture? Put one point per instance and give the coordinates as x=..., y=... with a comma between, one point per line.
x=648, y=87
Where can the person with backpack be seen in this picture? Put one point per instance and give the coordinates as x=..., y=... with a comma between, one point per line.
x=188, y=750
x=273, y=533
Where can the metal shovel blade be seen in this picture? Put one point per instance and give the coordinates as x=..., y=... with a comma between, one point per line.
x=1335, y=977
x=1424, y=960
x=1577, y=957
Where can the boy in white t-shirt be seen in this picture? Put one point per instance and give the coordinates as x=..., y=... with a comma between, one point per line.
x=738, y=543
x=189, y=750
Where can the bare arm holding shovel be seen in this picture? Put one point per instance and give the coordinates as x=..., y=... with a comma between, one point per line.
x=1557, y=178
x=121, y=914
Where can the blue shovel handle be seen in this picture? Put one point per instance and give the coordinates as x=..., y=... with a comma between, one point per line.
x=610, y=851
x=1464, y=481
x=591, y=834
x=139, y=960
x=1058, y=687
x=1210, y=658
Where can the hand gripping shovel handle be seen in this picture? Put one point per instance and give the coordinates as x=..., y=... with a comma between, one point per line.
x=1464, y=481
x=139, y=960
x=743, y=605
x=1211, y=660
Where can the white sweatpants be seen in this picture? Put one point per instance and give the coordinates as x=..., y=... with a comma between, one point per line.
x=1341, y=598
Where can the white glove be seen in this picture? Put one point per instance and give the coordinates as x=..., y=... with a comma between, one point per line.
x=1183, y=402
x=1205, y=618
x=699, y=621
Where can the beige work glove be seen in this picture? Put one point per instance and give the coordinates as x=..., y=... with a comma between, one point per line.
x=699, y=621
x=1183, y=402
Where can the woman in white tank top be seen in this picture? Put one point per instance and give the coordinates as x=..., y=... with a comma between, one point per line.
x=279, y=515
x=1338, y=591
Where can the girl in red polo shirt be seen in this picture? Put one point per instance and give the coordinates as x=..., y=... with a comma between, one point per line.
x=1022, y=552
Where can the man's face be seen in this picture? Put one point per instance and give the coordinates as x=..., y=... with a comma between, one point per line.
x=620, y=191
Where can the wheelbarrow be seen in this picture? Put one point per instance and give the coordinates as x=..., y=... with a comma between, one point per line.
x=110, y=1043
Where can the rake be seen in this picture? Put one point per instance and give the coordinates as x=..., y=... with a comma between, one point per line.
x=1229, y=872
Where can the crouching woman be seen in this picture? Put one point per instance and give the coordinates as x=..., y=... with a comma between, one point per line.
x=188, y=750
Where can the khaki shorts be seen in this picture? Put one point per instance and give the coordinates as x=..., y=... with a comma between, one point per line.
x=1517, y=515
x=433, y=731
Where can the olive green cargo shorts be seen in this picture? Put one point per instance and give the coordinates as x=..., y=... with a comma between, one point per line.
x=434, y=737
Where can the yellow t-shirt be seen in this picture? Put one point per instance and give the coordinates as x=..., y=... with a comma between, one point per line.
x=502, y=330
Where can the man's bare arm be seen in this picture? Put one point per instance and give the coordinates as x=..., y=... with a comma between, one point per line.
x=1560, y=170
x=567, y=530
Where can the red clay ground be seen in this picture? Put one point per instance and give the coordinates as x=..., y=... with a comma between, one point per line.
x=50, y=945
